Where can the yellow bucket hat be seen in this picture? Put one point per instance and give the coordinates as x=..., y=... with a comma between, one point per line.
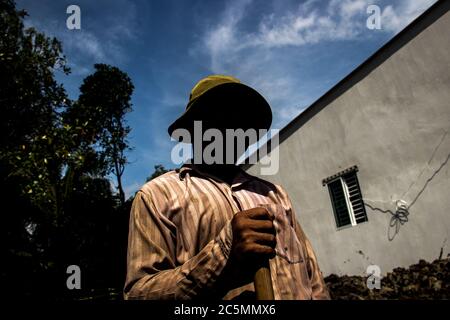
x=221, y=101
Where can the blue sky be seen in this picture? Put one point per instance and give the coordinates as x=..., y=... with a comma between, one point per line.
x=292, y=52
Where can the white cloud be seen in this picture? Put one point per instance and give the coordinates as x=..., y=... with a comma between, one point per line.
x=99, y=40
x=251, y=56
x=341, y=20
x=85, y=43
x=254, y=54
x=348, y=8
x=222, y=38
x=394, y=19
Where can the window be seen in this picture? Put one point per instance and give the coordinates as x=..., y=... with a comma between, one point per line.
x=346, y=198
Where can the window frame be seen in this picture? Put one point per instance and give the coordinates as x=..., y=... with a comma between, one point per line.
x=339, y=176
x=347, y=202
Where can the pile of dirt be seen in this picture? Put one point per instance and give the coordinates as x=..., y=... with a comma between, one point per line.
x=420, y=281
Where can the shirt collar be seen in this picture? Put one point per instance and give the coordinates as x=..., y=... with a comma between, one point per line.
x=241, y=177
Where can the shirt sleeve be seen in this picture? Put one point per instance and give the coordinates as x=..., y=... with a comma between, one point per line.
x=318, y=286
x=152, y=272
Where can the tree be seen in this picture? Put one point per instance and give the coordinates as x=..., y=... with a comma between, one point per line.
x=31, y=143
x=99, y=119
x=29, y=94
x=31, y=101
x=32, y=149
x=57, y=205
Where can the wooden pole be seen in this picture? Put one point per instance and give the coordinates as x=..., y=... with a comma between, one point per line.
x=263, y=283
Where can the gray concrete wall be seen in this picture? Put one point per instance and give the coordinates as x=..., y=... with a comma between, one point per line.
x=394, y=125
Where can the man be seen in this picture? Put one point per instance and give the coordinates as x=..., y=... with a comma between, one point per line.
x=202, y=231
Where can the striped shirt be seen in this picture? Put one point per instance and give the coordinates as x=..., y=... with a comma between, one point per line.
x=180, y=237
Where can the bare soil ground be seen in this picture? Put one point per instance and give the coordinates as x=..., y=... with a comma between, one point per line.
x=422, y=281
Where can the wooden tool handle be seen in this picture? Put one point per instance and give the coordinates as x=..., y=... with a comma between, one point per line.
x=263, y=283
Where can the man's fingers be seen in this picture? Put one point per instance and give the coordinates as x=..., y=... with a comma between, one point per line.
x=262, y=226
x=259, y=213
x=265, y=239
x=261, y=250
x=254, y=235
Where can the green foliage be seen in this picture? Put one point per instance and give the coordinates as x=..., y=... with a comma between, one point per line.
x=29, y=94
x=98, y=118
x=55, y=155
x=31, y=99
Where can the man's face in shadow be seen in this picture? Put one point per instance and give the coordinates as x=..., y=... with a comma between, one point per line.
x=220, y=145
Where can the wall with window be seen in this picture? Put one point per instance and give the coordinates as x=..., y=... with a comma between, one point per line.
x=382, y=137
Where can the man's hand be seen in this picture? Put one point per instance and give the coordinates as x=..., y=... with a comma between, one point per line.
x=253, y=236
x=253, y=243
